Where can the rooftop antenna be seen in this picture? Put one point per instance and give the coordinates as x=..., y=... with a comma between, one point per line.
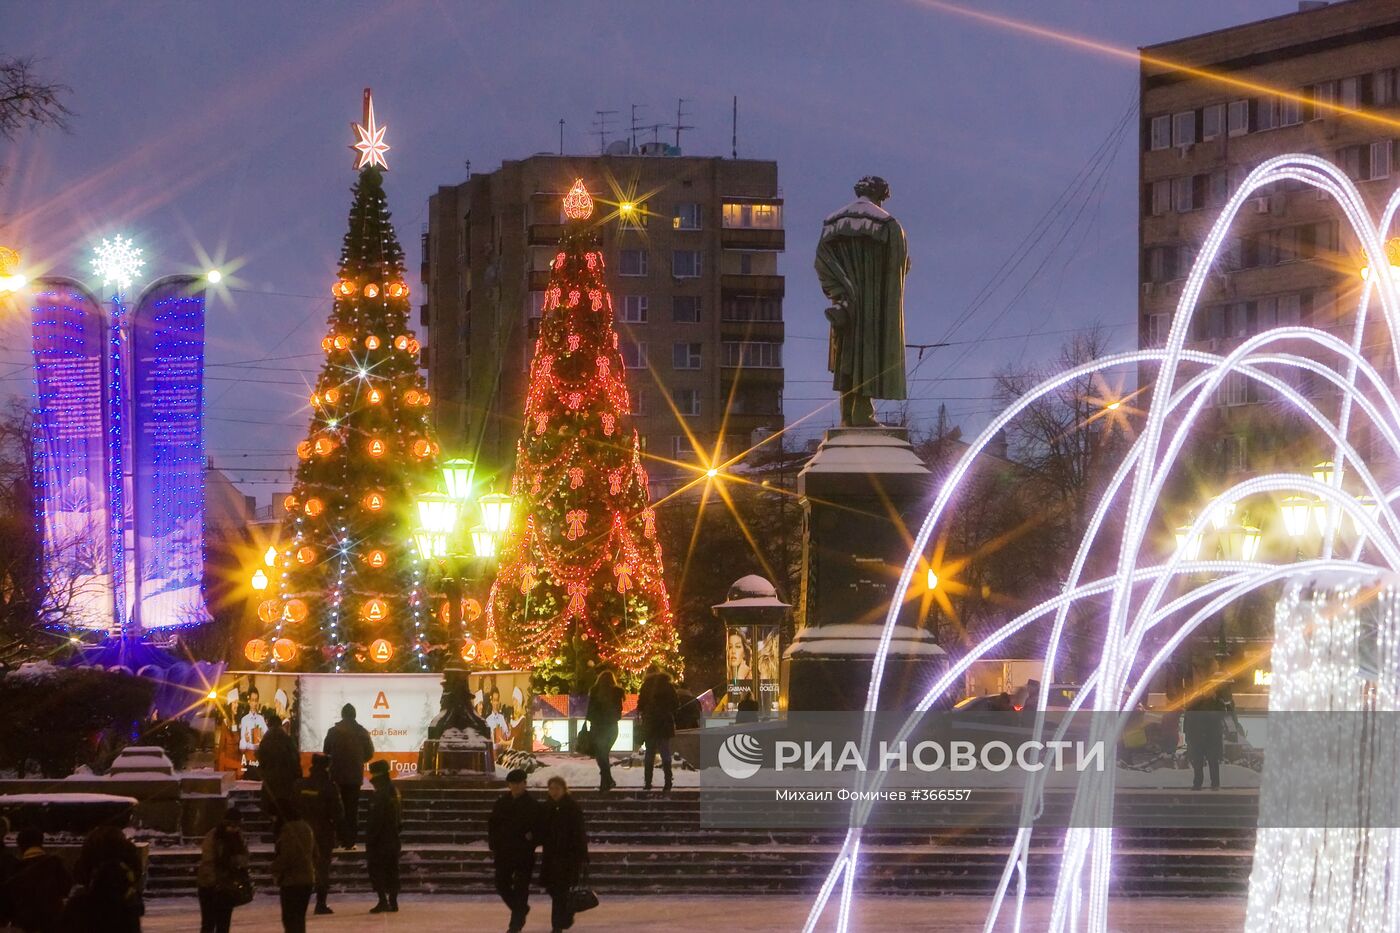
x=656, y=129
x=561, y=135
x=601, y=122
x=635, y=127
x=734, y=134
x=467, y=164
x=680, y=123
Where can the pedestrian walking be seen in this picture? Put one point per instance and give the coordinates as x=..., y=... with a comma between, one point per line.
x=222, y=876
x=38, y=885
x=656, y=708
x=108, y=871
x=563, y=851
x=322, y=807
x=294, y=866
x=382, y=838
x=349, y=746
x=512, y=834
x=1204, y=727
x=279, y=765
x=604, y=713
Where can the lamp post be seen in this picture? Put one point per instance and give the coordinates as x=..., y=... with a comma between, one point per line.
x=439, y=539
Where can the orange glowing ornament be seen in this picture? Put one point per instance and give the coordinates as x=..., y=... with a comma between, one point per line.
x=414, y=346
x=412, y=397
x=374, y=501
x=343, y=288
x=377, y=447
x=471, y=609
x=468, y=649
x=290, y=503
x=283, y=650
x=375, y=397
x=376, y=558
x=375, y=610
x=486, y=650
x=295, y=610
x=306, y=555
x=423, y=448
x=324, y=446
x=269, y=610
x=255, y=650
x=331, y=396
x=341, y=342
x=371, y=342
x=371, y=290
x=313, y=507
x=578, y=203
x=304, y=450
x=401, y=342
x=381, y=651
x=326, y=344
x=396, y=290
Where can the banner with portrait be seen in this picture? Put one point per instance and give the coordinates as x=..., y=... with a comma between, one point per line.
x=752, y=655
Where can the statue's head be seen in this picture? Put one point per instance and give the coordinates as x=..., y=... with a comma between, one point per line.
x=873, y=188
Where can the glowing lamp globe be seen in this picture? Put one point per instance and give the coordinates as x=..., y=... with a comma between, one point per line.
x=457, y=475
x=931, y=580
x=578, y=203
x=495, y=512
x=1220, y=513
x=270, y=555
x=256, y=650
x=1297, y=513
x=381, y=651
x=259, y=581
x=437, y=514
x=283, y=650
x=1188, y=544
x=1392, y=258
x=1323, y=471
x=1250, y=540
x=483, y=542
x=430, y=546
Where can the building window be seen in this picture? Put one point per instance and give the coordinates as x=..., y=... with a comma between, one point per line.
x=634, y=355
x=1349, y=92
x=1236, y=453
x=1160, y=136
x=634, y=309
x=760, y=216
x=1237, y=118
x=1237, y=319
x=1288, y=308
x=1233, y=390
x=1184, y=128
x=685, y=263
x=1324, y=95
x=741, y=308
x=632, y=262
x=685, y=356
x=1366, y=162
x=686, y=216
x=685, y=309
x=1380, y=159
x=688, y=401
x=1290, y=111
x=1183, y=194
x=1219, y=185
x=751, y=354
x=681, y=448
x=1266, y=114
x=1158, y=326
x=1383, y=87
x=1167, y=263
x=1212, y=121
x=638, y=402
x=1160, y=197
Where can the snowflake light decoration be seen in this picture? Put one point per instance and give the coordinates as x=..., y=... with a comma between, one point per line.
x=117, y=261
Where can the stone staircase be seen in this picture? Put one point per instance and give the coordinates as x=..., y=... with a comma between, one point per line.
x=643, y=843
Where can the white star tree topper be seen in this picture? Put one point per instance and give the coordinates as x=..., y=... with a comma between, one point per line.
x=371, y=145
x=117, y=261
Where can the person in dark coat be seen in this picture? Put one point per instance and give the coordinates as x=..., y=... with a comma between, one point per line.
x=9, y=863
x=294, y=867
x=656, y=708
x=279, y=765
x=38, y=885
x=1204, y=727
x=349, y=746
x=382, y=838
x=604, y=713
x=223, y=862
x=563, y=851
x=512, y=833
x=320, y=803
x=109, y=870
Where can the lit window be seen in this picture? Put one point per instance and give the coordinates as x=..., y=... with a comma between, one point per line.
x=749, y=215
x=686, y=216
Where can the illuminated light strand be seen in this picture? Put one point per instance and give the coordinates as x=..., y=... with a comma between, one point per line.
x=1074, y=903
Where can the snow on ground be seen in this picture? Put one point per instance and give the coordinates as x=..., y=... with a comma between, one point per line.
x=686, y=914
x=582, y=773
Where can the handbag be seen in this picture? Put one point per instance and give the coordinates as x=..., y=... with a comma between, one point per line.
x=581, y=896
x=583, y=742
x=236, y=889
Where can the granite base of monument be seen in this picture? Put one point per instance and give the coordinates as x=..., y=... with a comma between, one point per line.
x=863, y=493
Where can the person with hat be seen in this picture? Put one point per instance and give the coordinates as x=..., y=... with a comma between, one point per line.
x=320, y=802
x=382, y=844
x=512, y=834
x=349, y=746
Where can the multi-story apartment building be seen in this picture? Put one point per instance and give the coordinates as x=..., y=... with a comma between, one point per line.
x=1291, y=257
x=692, y=248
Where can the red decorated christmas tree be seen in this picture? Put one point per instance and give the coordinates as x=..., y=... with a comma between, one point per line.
x=580, y=582
x=349, y=593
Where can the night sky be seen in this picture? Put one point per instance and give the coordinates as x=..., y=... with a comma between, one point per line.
x=220, y=130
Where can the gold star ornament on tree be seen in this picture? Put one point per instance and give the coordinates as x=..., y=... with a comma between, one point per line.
x=371, y=146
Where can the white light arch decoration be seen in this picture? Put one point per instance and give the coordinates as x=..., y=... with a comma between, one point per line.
x=1081, y=891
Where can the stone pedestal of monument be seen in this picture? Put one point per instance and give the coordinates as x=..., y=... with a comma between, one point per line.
x=864, y=493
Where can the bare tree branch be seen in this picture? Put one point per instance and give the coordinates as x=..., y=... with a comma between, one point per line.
x=27, y=100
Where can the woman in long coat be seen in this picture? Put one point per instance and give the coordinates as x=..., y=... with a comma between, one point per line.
x=564, y=847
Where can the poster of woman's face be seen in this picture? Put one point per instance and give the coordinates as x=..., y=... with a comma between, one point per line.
x=768, y=656
x=737, y=656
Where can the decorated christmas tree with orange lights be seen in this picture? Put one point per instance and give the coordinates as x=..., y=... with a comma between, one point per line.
x=349, y=591
x=580, y=582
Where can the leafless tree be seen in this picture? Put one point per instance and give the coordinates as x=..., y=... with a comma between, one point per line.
x=28, y=100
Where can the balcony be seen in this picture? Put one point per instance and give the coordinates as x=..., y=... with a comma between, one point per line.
x=539, y=280
x=771, y=285
x=773, y=331
x=545, y=234
x=752, y=238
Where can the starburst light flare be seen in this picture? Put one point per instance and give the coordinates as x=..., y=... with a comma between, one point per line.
x=1168, y=600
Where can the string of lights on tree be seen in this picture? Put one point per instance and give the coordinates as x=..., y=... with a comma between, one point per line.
x=581, y=576
x=350, y=583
